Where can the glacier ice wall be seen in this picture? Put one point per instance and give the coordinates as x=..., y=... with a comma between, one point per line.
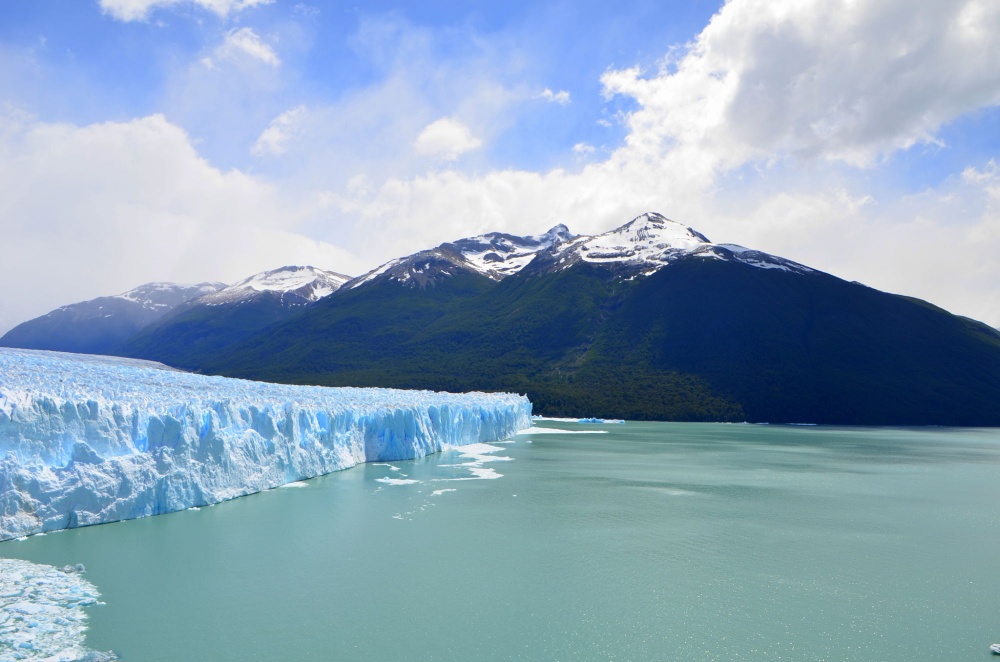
x=86, y=439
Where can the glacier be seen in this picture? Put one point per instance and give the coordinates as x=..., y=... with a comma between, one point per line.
x=90, y=439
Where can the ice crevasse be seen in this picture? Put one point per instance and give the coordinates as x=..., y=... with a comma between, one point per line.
x=87, y=439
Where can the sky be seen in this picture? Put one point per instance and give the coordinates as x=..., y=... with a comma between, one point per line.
x=207, y=140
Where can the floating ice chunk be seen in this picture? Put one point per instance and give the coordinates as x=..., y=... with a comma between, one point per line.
x=42, y=613
x=88, y=439
x=440, y=492
x=477, y=455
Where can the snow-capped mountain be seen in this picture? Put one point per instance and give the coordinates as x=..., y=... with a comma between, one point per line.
x=648, y=321
x=162, y=296
x=213, y=322
x=648, y=243
x=97, y=326
x=495, y=255
x=298, y=285
x=642, y=246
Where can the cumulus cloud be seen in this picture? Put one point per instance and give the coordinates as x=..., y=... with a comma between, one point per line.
x=838, y=80
x=447, y=139
x=275, y=138
x=136, y=199
x=139, y=10
x=243, y=43
x=561, y=97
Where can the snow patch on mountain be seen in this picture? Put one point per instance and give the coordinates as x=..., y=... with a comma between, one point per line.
x=166, y=295
x=651, y=241
x=306, y=283
x=495, y=255
x=499, y=255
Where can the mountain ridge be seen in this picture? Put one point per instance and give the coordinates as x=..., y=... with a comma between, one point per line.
x=650, y=320
x=98, y=326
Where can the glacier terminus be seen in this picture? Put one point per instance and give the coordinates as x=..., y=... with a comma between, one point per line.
x=92, y=439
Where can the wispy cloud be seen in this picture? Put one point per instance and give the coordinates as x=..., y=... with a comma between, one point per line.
x=139, y=10
x=274, y=139
x=241, y=43
x=561, y=97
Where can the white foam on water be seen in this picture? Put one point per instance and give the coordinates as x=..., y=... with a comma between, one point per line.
x=478, y=473
x=42, y=613
x=297, y=483
x=396, y=481
x=385, y=464
x=536, y=430
x=440, y=492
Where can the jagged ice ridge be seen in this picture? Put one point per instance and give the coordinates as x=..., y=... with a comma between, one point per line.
x=90, y=439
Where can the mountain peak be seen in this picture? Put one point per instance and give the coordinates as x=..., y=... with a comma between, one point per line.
x=559, y=233
x=651, y=231
x=495, y=255
x=649, y=242
x=168, y=295
x=306, y=282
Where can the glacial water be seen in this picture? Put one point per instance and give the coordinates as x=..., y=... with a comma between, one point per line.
x=644, y=542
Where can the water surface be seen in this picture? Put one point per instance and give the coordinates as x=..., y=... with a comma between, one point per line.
x=652, y=541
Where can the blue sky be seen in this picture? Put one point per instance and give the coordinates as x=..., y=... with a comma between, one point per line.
x=191, y=140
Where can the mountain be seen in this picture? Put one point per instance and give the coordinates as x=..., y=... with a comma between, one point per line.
x=495, y=255
x=98, y=326
x=204, y=326
x=648, y=321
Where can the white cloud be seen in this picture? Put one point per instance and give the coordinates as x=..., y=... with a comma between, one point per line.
x=447, y=139
x=245, y=43
x=583, y=149
x=135, y=203
x=939, y=245
x=275, y=138
x=838, y=79
x=561, y=97
x=138, y=10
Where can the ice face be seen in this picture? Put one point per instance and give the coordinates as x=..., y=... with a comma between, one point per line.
x=88, y=439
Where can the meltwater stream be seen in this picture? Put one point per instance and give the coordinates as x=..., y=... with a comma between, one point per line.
x=645, y=541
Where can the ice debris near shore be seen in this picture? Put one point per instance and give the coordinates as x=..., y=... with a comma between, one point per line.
x=41, y=613
x=87, y=439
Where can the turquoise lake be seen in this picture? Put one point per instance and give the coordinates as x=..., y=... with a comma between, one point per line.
x=645, y=541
